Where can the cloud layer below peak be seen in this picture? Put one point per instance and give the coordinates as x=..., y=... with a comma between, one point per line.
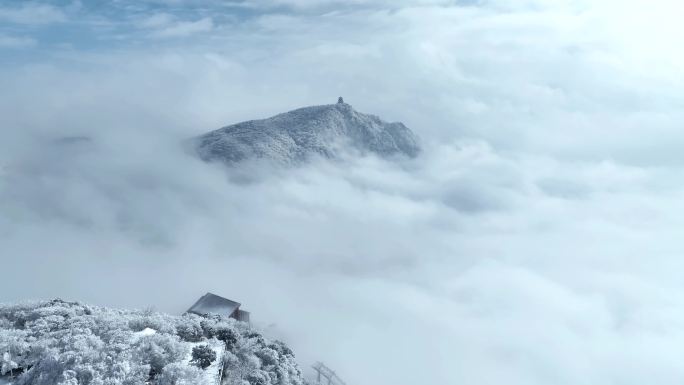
x=534, y=241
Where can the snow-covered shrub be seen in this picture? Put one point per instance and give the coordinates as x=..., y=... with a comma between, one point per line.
x=179, y=374
x=65, y=343
x=7, y=364
x=189, y=328
x=228, y=335
x=258, y=377
x=159, y=350
x=203, y=356
x=163, y=323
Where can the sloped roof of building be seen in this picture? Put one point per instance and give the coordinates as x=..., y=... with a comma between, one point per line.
x=212, y=304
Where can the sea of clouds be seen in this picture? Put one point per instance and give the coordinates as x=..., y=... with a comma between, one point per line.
x=536, y=239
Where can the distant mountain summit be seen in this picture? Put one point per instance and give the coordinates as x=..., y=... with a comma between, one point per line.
x=295, y=136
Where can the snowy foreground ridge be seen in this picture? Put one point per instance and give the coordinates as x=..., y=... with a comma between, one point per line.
x=67, y=343
x=326, y=131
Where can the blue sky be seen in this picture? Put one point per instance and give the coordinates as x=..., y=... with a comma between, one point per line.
x=102, y=25
x=108, y=25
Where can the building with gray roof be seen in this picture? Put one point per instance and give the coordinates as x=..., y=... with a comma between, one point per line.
x=211, y=304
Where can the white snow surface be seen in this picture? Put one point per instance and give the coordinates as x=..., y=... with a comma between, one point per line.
x=143, y=333
x=327, y=131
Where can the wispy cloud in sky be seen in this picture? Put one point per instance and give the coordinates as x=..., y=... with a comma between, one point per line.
x=16, y=41
x=28, y=13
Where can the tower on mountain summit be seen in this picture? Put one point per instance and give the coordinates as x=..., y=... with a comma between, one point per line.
x=340, y=100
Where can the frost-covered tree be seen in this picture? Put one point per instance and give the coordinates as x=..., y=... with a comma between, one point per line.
x=203, y=356
x=159, y=350
x=189, y=328
x=65, y=343
x=179, y=374
x=8, y=365
x=228, y=335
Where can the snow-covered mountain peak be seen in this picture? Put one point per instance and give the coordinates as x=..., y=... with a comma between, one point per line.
x=292, y=137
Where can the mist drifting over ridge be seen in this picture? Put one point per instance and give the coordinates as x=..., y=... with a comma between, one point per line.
x=534, y=240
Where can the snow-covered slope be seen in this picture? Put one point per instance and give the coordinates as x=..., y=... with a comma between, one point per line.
x=65, y=343
x=292, y=137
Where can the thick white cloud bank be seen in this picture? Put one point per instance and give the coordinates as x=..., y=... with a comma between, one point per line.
x=535, y=241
